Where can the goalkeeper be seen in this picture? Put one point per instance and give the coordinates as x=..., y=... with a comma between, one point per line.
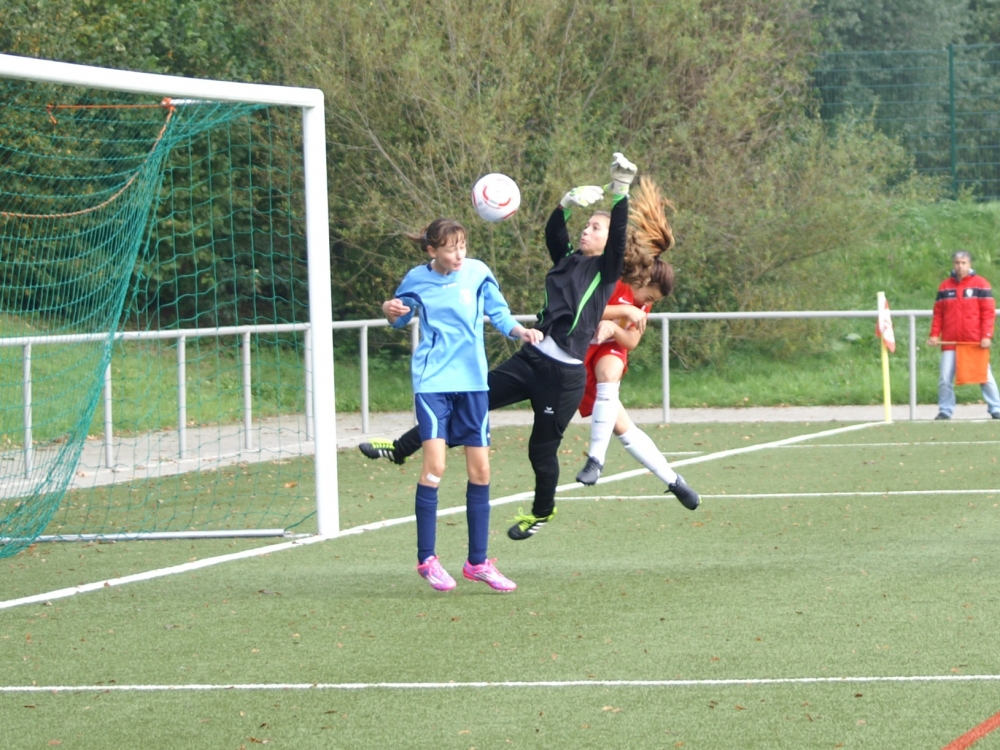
x=551, y=374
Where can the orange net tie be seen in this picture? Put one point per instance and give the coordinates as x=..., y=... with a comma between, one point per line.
x=166, y=103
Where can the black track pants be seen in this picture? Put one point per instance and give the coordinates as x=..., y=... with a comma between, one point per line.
x=555, y=390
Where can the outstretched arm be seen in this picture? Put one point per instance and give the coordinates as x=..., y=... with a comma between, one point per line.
x=496, y=307
x=527, y=335
x=622, y=174
x=557, y=236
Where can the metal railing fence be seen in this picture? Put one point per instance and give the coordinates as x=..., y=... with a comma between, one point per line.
x=181, y=335
x=664, y=320
x=910, y=315
x=244, y=334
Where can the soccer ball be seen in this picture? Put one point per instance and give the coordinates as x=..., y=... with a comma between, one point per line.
x=496, y=197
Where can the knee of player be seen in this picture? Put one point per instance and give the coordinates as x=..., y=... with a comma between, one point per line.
x=543, y=450
x=609, y=370
x=433, y=472
x=479, y=475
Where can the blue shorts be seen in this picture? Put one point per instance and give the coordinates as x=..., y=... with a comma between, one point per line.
x=456, y=418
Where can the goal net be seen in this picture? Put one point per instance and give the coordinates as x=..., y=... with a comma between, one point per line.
x=165, y=352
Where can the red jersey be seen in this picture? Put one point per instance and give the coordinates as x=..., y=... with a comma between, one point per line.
x=964, y=310
x=622, y=296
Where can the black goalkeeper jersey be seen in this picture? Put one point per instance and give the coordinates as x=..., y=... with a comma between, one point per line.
x=578, y=287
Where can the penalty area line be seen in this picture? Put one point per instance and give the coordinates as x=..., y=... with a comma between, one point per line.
x=678, y=683
x=922, y=444
x=267, y=550
x=792, y=495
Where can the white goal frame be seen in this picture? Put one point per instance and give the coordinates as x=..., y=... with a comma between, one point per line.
x=317, y=228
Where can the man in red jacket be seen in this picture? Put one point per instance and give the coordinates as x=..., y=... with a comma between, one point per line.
x=963, y=312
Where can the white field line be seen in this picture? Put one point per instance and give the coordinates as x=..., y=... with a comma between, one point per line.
x=736, y=682
x=267, y=550
x=925, y=444
x=792, y=495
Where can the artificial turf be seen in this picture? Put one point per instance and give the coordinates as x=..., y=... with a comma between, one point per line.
x=881, y=586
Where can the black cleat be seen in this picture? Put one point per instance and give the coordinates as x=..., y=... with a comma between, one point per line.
x=688, y=497
x=382, y=449
x=942, y=415
x=591, y=472
x=527, y=524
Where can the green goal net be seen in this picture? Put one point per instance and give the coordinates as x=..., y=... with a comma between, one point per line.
x=155, y=340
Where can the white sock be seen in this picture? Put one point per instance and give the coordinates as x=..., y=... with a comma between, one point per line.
x=602, y=421
x=644, y=450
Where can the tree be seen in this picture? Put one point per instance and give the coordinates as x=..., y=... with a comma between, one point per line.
x=864, y=25
x=709, y=97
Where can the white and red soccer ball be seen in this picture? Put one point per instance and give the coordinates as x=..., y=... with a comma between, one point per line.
x=496, y=197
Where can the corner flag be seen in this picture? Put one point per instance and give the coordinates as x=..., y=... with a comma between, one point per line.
x=883, y=328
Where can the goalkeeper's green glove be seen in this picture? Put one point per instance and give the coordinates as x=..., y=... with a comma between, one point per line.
x=582, y=196
x=622, y=173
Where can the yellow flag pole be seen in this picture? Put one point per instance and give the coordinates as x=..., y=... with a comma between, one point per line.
x=885, y=383
x=887, y=395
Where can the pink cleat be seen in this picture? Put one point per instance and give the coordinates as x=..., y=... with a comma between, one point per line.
x=435, y=574
x=488, y=574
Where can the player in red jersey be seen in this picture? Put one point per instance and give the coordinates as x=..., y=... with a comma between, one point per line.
x=607, y=362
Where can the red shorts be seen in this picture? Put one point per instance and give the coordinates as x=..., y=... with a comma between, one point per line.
x=594, y=353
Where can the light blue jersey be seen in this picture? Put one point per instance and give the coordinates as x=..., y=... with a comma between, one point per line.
x=451, y=356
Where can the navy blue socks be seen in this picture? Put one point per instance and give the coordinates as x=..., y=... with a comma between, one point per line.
x=477, y=514
x=426, y=512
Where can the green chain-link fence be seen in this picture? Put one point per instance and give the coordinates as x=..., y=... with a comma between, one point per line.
x=944, y=106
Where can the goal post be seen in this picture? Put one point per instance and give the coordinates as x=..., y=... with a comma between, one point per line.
x=96, y=193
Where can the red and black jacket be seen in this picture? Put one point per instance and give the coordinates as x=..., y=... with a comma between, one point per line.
x=964, y=310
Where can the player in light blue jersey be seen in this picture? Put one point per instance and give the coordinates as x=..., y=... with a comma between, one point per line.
x=450, y=295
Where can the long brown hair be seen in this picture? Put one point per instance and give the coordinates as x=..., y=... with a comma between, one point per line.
x=649, y=235
x=661, y=275
x=437, y=234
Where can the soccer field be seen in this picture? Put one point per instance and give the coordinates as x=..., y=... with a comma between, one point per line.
x=837, y=588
